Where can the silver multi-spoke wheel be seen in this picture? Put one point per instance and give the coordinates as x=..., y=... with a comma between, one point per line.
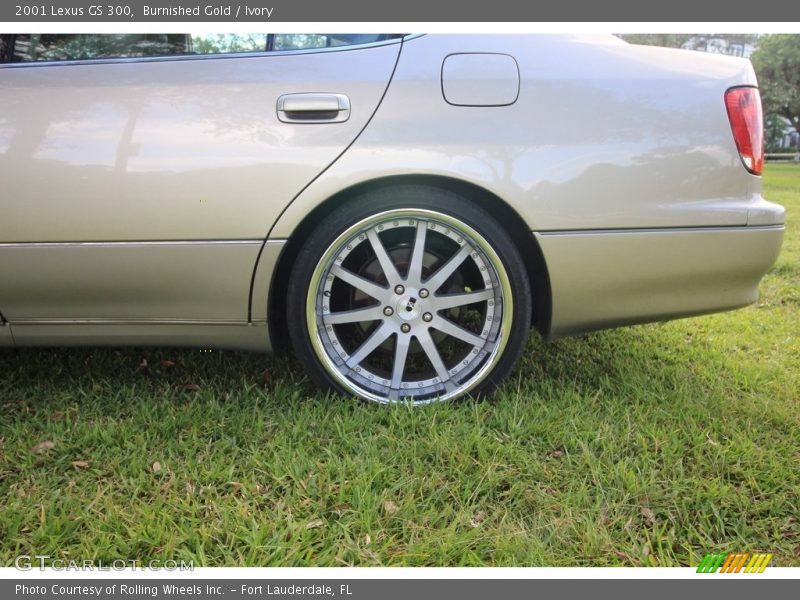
x=409, y=305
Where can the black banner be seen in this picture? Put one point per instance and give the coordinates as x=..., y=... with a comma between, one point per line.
x=705, y=586
x=259, y=11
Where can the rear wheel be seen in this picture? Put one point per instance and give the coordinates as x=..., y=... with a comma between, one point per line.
x=409, y=294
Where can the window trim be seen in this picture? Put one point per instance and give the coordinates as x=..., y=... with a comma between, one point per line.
x=182, y=57
x=9, y=51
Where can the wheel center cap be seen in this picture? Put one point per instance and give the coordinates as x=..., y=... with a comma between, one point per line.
x=408, y=308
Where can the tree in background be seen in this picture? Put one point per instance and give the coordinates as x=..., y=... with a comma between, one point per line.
x=722, y=43
x=667, y=40
x=777, y=64
x=775, y=128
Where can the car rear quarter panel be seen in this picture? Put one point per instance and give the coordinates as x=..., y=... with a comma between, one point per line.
x=603, y=135
x=620, y=158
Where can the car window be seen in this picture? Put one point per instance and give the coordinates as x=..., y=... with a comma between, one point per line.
x=306, y=41
x=36, y=47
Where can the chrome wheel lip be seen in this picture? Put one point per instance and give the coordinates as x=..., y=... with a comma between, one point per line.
x=474, y=238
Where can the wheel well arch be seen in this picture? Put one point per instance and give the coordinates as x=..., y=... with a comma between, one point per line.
x=508, y=218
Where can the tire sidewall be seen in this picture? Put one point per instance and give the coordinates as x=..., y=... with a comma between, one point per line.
x=407, y=197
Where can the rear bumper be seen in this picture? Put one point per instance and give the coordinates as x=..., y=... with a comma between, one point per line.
x=763, y=212
x=601, y=279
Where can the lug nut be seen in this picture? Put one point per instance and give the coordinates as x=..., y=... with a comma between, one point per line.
x=405, y=327
x=427, y=317
x=388, y=311
x=423, y=293
x=399, y=289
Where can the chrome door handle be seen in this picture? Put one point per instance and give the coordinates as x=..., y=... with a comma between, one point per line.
x=313, y=108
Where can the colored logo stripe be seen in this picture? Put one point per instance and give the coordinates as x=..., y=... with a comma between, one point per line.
x=710, y=563
x=734, y=562
x=758, y=563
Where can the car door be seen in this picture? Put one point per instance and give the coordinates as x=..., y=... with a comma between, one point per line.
x=140, y=185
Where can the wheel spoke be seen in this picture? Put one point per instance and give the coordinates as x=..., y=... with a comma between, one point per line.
x=456, y=331
x=365, y=285
x=437, y=279
x=389, y=269
x=380, y=335
x=432, y=352
x=400, y=353
x=357, y=315
x=454, y=300
x=417, y=253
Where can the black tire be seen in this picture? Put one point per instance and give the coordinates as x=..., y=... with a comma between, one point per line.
x=421, y=198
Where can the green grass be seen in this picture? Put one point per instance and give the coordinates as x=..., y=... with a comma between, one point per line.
x=649, y=445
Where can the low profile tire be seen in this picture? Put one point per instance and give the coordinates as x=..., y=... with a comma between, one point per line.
x=409, y=294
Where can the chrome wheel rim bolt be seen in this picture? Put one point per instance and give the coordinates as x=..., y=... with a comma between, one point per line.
x=423, y=293
x=427, y=317
x=405, y=327
x=399, y=289
x=388, y=311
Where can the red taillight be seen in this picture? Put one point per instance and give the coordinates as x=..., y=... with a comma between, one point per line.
x=744, y=113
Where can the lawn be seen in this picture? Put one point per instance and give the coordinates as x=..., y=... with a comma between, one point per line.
x=649, y=445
